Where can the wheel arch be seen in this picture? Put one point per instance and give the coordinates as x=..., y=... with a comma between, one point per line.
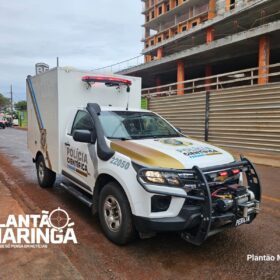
x=101, y=181
x=39, y=153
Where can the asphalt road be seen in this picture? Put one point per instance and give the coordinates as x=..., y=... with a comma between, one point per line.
x=165, y=256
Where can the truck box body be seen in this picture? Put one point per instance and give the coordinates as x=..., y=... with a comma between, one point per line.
x=57, y=93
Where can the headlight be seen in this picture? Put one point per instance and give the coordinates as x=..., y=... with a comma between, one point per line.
x=162, y=177
x=172, y=179
x=154, y=177
x=168, y=178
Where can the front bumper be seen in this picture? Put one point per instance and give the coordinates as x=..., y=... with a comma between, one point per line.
x=188, y=217
x=197, y=222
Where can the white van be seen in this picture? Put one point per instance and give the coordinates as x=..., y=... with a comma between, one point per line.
x=132, y=167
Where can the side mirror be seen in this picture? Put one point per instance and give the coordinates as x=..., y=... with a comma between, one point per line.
x=84, y=136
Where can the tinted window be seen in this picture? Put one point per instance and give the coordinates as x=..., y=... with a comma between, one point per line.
x=82, y=121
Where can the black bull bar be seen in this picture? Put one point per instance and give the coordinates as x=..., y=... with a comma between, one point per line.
x=204, y=229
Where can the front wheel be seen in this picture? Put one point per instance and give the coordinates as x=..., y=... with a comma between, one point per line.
x=45, y=176
x=115, y=214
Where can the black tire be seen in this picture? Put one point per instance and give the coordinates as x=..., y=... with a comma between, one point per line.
x=45, y=176
x=125, y=232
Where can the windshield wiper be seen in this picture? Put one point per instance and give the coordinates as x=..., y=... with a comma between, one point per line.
x=119, y=138
x=167, y=136
x=153, y=136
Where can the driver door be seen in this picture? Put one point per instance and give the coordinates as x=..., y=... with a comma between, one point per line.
x=78, y=158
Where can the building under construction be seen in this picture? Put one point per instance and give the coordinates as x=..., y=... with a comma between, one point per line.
x=189, y=39
x=212, y=68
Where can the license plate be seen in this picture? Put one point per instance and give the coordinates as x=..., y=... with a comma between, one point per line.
x=242, y=221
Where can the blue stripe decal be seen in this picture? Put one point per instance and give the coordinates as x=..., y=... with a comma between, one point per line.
x=35, y=102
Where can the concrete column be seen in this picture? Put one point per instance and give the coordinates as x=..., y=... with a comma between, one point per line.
x=158, y=83
x=160, y=53
x=208, y=72
x=227, y=5
x=148, y=58
x=212, y=9
x=264, y=57
x=164, y=8
x=170, y=33
x=209, y=35
x=156, y=8
x=180, y=77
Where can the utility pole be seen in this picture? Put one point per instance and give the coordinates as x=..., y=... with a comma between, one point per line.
x=57, y=62
x=11, y=99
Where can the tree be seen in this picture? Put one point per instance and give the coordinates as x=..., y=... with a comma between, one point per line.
x=4, y=102
x=21, y=105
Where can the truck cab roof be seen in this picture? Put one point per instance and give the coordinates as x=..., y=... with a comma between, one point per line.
x=114, y=108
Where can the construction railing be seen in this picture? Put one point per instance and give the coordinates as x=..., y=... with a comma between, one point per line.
x=245, y=77
x=117, y=67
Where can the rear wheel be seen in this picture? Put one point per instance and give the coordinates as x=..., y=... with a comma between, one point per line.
x=45, y=176
x=115, y=214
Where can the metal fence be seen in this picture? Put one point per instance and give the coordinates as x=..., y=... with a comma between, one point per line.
x=245, y=117
x=186, y=112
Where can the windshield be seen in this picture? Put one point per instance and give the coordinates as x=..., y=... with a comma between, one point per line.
x=135, y=125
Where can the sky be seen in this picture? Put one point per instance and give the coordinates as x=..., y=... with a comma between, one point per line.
x=85, y=34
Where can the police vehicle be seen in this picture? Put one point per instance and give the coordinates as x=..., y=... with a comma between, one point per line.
x=131, y=166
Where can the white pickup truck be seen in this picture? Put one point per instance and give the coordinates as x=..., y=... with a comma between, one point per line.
x=132, y=167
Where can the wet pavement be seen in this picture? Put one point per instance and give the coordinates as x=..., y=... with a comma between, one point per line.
x=165, y=256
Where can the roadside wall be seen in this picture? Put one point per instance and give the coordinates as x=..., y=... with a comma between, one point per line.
x=245, y=117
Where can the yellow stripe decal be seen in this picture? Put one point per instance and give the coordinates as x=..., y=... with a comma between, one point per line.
x=145, y=155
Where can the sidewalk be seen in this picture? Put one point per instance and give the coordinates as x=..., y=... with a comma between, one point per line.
x=50, y=263
x=257, y=157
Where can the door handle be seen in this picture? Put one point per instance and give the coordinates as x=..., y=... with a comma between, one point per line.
x=66, y=144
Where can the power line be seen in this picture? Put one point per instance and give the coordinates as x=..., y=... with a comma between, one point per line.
x=11, y=92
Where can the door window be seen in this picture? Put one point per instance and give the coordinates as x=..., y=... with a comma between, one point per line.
x=82, y=122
